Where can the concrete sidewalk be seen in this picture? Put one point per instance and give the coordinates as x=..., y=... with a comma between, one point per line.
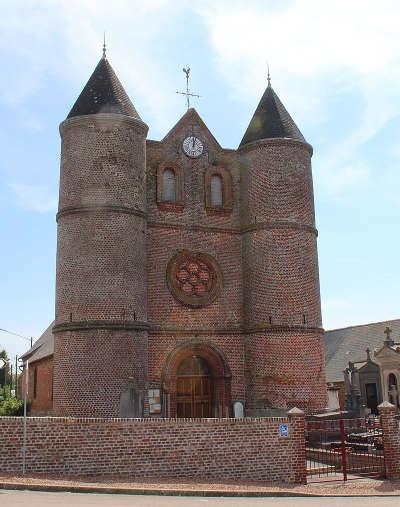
x=362, y=487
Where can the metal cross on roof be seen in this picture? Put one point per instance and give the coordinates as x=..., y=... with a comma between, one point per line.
x=388, y=332
x=187, y=93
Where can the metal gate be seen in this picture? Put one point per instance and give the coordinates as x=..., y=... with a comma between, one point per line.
x=344, y=449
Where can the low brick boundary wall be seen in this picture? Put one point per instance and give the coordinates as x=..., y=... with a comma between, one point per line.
x=390, y=423
x=245, y=449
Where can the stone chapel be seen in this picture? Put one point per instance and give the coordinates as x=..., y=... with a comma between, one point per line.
x=187, y=274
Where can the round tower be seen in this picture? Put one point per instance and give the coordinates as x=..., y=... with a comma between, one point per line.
x=284, y=348
x=101, y=302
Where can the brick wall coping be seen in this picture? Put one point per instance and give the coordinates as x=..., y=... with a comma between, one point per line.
x=276, y=141
x=102, y=120
x=153, y=421
x=93, y=209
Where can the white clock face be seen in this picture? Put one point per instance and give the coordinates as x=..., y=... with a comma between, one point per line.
x=192, y=146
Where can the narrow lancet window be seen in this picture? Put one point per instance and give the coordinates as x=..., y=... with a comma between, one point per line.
x=169, y=186
x=216, y=190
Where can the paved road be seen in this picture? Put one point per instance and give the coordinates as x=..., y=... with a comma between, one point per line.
x=39, y=499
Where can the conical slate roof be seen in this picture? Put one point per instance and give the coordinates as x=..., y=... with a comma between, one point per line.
x=103, y=93
x=271, y=120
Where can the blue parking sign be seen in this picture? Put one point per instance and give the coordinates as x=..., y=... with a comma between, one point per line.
x=283, y=430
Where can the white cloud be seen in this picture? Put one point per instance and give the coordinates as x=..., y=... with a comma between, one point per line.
x=35, y=197
x=65, y=39
x=316, y=50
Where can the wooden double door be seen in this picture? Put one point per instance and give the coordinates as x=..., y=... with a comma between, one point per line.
x=194, y=396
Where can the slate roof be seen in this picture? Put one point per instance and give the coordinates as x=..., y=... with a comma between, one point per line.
x=103, y=93
x=43, y=347
x=271, y=120
x=349, y=344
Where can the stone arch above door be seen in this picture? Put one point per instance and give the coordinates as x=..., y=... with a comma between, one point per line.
x=219, y=372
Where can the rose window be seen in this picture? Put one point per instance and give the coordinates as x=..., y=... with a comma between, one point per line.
x=194, y=278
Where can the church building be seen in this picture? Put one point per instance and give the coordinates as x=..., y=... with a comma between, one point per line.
x=187, y=274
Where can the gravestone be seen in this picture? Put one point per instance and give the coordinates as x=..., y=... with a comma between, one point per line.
x=238, y=410
x=333, y=398
x=131, y=401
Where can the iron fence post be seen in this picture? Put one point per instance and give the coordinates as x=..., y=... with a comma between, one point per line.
x=343, y=448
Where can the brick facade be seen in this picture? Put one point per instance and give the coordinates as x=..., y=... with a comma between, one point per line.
x=116, y=315
x=246, y=449
x=40, y=391
x=390, y=422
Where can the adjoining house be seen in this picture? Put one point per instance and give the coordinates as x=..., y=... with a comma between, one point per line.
x=363, y=365
x=40, y=361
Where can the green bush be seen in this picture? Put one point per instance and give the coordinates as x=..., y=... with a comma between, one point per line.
x=11, y=407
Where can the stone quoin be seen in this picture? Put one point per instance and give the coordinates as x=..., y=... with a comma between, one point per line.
x=187, y=274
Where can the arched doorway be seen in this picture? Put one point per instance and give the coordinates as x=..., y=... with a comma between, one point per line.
x=196, y=382
x=195, y=388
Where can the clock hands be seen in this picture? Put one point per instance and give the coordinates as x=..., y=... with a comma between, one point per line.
x=192, y=146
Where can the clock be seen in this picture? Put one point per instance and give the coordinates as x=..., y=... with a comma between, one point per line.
x=192, y=146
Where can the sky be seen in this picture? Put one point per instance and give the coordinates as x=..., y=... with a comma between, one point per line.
x=334, y=64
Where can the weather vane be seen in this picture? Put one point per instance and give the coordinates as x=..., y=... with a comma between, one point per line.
x=188, y=93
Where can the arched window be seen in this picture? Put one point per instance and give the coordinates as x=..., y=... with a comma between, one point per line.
x=216, y=190
x=169, y=186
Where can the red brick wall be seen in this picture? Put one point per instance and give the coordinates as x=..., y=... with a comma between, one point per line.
x=390, y=422
x=248, y=449
x=285, y=356
x=42, y=403
x=217, y=326
x=115, y=315
x=286, y=369
x=101, y=291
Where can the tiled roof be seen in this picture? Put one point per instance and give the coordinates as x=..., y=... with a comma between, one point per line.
x=43, y=346
x=350, y=343
x=271, y=120
x=103, y=93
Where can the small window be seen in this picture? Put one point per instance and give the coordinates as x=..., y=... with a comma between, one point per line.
x=216, y=190
x=169, y=186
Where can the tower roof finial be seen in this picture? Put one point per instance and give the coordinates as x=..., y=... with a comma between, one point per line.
x=268, y=77
x=104, y=46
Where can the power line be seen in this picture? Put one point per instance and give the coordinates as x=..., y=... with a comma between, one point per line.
x=16, y=334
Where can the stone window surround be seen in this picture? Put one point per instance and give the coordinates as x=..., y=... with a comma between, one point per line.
x=227, y=198
x=178, y=204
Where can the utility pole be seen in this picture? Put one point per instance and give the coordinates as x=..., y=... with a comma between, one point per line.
x=16, y=376
x=25, y=427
